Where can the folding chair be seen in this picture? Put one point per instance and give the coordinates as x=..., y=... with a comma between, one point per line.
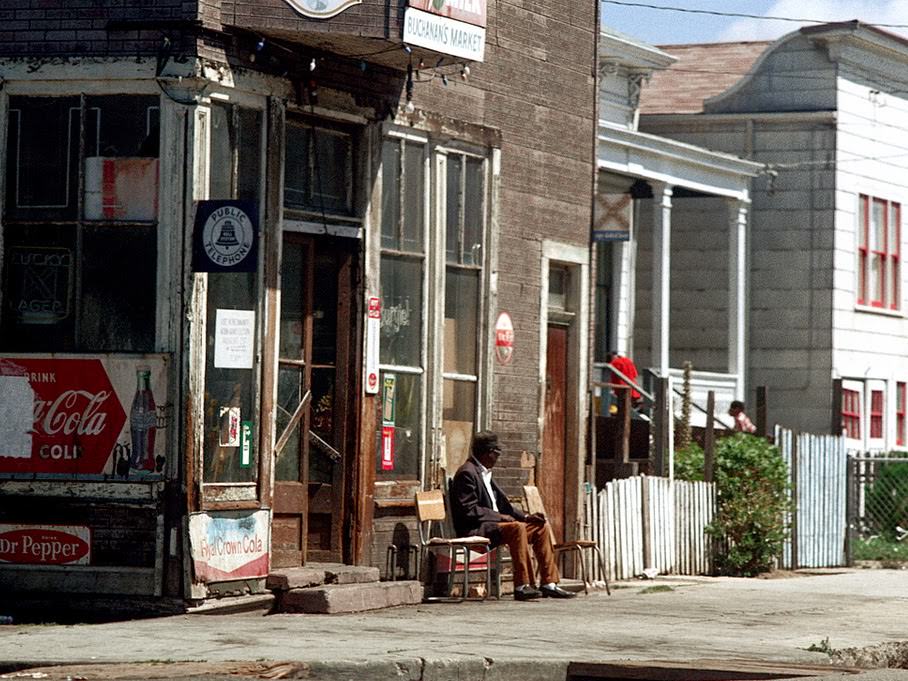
x=430, y=508
x=535, y=505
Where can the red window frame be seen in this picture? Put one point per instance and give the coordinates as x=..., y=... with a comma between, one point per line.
x=851, y=413
x=876, y=414
x=886, y=252
x=900, y=394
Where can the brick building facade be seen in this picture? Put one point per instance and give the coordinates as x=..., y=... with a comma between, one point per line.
x=253, y=415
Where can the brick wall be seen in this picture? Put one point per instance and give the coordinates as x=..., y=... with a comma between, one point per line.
x=74, y=28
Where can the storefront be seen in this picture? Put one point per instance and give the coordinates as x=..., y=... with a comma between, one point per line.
x=249, y=300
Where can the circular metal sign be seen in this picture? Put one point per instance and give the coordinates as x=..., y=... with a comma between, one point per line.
x=504, y=338
x=321, y=9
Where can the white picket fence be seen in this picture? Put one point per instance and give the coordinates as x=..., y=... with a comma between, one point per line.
x=651, y=522
x=821, y=498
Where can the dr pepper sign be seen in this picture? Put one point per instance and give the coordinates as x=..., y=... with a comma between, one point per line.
x=504, y=338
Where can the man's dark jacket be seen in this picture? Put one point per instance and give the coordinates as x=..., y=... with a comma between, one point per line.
x=471, y=505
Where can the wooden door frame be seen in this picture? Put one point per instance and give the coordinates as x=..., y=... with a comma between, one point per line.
x=576, y=259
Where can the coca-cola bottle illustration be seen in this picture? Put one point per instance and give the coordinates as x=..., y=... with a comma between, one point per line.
x=143, y=421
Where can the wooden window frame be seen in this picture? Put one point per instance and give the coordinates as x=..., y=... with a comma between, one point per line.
x=851, y=413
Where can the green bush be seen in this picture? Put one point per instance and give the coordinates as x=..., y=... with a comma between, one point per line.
x=752, y=487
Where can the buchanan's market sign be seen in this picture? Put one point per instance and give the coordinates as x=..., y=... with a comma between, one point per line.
x=455, y=27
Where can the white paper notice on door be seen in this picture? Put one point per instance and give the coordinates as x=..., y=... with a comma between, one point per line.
x=234, y=339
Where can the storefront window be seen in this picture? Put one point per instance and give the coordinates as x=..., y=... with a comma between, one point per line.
x=231, y=394
x=318, y=175
x=79, y=229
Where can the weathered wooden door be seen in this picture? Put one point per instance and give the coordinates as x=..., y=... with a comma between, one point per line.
x=552, y=465
x=314, y=396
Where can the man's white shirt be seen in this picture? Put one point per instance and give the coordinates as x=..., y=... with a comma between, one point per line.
x=487, y=481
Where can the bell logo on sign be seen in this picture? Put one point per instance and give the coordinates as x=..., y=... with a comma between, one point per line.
x=321, y=9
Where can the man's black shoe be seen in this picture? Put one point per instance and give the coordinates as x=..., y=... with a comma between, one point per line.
x=526, y=593
x=556, y=592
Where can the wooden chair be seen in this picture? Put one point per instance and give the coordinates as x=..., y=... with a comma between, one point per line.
x=430, y=510
x=534, y=505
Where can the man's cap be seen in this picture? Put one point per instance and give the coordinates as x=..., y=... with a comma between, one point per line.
x=485, y=441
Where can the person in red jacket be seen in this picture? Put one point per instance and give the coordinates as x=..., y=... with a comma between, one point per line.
x=627, y=367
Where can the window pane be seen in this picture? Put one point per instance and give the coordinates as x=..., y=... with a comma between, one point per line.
x=414, y=197
x=39, y=268
x=603, y=300
x=894, y=246
x=452, y=209
x=229, y=393
x=862, y=222
x=120, y=126
x=293, y=304
x=399, y=435
x=249, y=161
x=289, y=393
x=558, y=287
x=876, y=277
x=461, y=316
x=390, y=194
x=42, y=157
x=458, y=417
x=474, y=211
x=324, y=310
x=401, y=319
x=878, y=228
x=220, y=173
x=331, y=172
x=296, y=167
x=118, y=294
x=900, y=397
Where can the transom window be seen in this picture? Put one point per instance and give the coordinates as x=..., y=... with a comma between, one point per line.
x=879, y=251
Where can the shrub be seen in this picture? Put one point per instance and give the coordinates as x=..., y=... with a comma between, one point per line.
x=887, y=499
x=752, y=487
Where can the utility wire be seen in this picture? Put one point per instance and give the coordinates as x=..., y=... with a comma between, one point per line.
x=739, y=15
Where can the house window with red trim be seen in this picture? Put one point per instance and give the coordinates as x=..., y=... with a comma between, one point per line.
x=900, y=413
x=876, y=414
x=851, y=414
x=879, y=250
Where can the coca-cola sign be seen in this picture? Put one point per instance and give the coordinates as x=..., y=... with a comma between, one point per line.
x=69, y=415
x=45, y=544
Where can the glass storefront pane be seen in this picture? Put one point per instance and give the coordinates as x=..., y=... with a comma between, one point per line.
x=400, y=416
x=390, y=195
x=474, y=211
x=324, y=312
x=220, y=173
x=289, y=393
x=603, y=300
x=414, y=196
x=453, y=202
x=401, y=320
x=458, y=419
x=249, y=157
x=461, y=318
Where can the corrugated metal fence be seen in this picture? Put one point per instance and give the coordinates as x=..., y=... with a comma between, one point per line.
x=650, y=522
x=820, y=481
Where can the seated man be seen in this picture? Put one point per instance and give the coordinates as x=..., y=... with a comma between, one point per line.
x=479, y=507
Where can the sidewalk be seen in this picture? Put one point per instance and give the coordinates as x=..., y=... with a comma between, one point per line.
x=682, y=620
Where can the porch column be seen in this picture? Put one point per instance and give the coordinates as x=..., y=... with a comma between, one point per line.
x=662, y=224
x=737, y=289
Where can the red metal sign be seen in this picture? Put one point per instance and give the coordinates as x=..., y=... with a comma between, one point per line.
x=387, y=448
x=504, y=338
x=469, y=11
x=45, y=544
x=77, y=416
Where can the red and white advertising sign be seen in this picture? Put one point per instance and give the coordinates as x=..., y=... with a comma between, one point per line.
x=230, y=545
x=504, y=338
x=387, y=448
x=82, y=416
x=373, y=330
x=45, y=544
x=470, y=11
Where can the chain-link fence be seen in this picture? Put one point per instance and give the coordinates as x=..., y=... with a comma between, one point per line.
x=878, y=508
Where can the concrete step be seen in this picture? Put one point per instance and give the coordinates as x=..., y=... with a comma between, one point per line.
x=341, y=598
x=317, y=574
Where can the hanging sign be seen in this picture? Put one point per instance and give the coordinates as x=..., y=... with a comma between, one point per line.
x=443, y=35
x=504, y=338
x=612, y=217
x=470, y=11
x=226, y=236
x=321, y=9
x=389, y=386
x=373, y=329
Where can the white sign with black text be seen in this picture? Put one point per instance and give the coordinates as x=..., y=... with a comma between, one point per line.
x=234, y=339
x=444, y=35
